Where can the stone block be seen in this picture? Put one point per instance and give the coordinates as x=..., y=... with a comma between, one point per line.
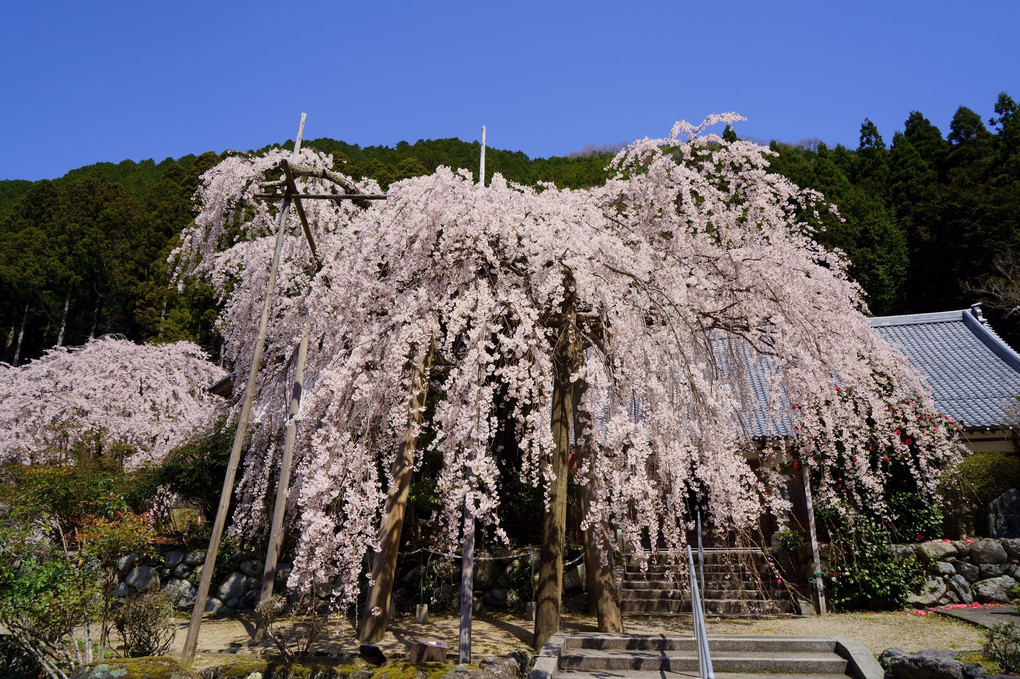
x=993, y=570
x=944, y=568
x=959, y=585
x=1004, y=515
x=182, y=593
x=969, y=571
x=918, y=666
x=173, y=559
x=233, y=586
x=932, y=590
x=993, y=590
x=195, y=557
x=126, y=563
x=574, y=579
x=987, y=551
x=251, y=568
x=142, y=578
x=934, y=551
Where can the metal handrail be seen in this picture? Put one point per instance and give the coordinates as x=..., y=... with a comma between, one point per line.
x=705, y=670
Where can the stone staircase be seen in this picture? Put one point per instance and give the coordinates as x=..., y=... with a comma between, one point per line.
x=738, y=583
x=609, y=656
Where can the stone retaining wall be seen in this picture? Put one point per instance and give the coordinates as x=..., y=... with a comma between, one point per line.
x=501, y=581
x=964, y=571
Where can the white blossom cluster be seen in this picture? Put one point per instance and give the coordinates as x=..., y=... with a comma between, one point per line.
x=691, y=257
x=109, y=391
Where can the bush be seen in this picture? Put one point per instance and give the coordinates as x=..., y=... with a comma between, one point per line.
x=146, y=624
x=863, y=575
x=1003, y=646
x=790, y=540
x=193, y=471
x=975, y=482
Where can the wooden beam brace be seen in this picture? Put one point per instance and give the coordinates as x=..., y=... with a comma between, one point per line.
x=293, y=193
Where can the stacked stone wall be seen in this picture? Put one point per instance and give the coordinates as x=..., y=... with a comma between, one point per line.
x=965, y=571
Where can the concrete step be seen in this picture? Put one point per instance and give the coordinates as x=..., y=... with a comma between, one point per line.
x=735, y=642
x=682, y=569
x=709, y=594
x=712, y=606
x=727, y=585
x=634, y=674
x=687, y=661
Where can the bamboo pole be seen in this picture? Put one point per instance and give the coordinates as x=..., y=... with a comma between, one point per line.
x=191, y=642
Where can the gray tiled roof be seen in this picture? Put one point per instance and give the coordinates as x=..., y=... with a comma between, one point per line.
x=972, y=373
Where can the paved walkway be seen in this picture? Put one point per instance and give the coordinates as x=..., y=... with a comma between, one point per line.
x=985, y=617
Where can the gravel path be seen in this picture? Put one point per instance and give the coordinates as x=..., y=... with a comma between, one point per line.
x=225, y=639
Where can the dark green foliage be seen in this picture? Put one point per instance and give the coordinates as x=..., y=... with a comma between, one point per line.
x=923, y=219
x=975, y=482
x=863, y=574
x=195, y=470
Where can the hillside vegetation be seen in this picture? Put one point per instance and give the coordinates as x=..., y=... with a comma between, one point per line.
x=928, y=220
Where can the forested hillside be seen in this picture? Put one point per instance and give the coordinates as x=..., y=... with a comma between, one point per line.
x=926, y=220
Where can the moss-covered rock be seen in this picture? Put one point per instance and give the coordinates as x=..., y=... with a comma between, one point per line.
x=260, y=669
x=133, y=668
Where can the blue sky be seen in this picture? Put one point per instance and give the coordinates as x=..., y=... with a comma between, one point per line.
x=84, y=82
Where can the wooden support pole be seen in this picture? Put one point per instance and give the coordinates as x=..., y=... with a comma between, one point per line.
x=819, y=581
x=328, y=196
x=467, y=586
x=283, y=481
x=481, y=162
x=191, y=641
x=293, y=193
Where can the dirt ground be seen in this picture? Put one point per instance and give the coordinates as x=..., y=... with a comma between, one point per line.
x=224, y=639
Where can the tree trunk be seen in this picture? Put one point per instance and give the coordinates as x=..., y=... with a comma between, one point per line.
x=21, y=337
x=95, y=319
x=373, y=620
x=550, y=565
x=603, y=595
x=63, y=319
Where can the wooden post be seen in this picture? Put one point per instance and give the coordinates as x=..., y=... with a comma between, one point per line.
x=283, y=481
x=191, y=641
x=481, y=162
x=467, y=561
x=819, y=582
x=467, y=586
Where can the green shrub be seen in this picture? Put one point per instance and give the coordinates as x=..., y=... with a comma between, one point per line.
x=790, y=540
x=1003, y=646
x=975, y=482
x=863, y=575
